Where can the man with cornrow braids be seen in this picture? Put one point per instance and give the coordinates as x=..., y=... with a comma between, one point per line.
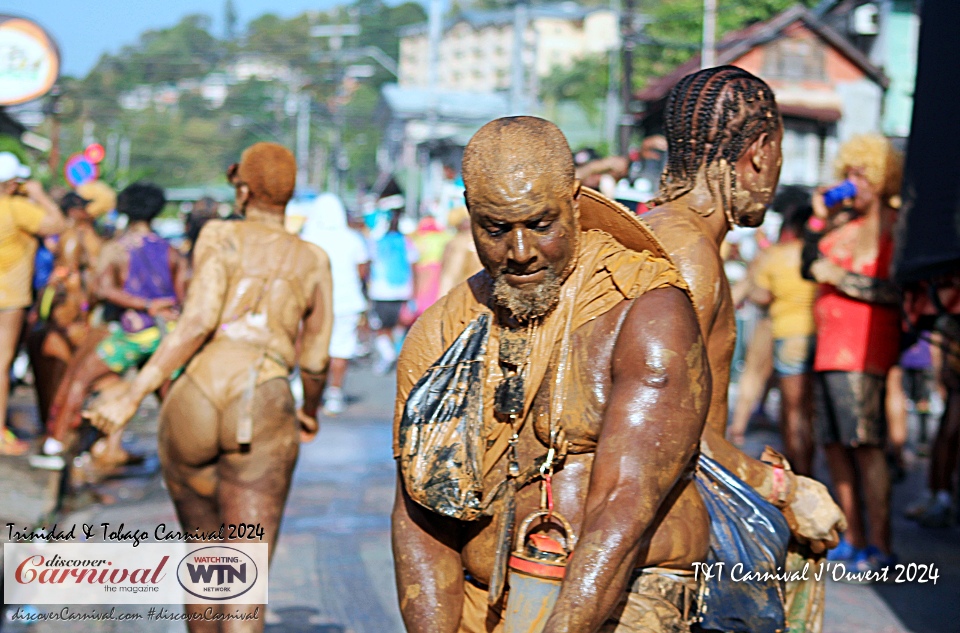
x=724, y=132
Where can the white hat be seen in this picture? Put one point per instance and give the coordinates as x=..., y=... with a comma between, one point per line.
x=11, y=167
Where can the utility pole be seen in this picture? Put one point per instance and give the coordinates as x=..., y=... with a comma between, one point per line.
x=434, y=35
x=303, y=139
x=53, y=162
x=113, y=141
x=518, y=89
x=336, y=33
x=123, y=162
x=627, y=43
x=613, y=101
x=88, y=139
x=708, y=55
x=52, y=110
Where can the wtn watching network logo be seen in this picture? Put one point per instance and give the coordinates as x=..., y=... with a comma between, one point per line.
x=217, y=573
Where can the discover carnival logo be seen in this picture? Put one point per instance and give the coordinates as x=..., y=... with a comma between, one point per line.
x=217, y=573
x=118, y=573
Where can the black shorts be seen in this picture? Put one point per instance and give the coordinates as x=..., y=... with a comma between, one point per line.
x=388, y=313
x=850, y=408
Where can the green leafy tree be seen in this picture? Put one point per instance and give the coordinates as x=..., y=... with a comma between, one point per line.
x=286, y=40
x=379, y=25
x=361, y=135
x=486, y=5
x=192, y=142
x=185, y=50
x=585, y=82
x=675, y=30
x=252, y=113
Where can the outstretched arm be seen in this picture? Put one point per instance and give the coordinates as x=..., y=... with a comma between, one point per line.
x=651, y=428
x=201, y=314
x=795, y=495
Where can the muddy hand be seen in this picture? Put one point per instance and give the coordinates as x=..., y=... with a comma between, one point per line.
x=309, y=426
x=827, y=272
x=113, y=414
x=33, y=189
x=814, y=517
x=156, y=306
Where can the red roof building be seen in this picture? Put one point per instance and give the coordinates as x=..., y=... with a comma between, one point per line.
x=826, y=88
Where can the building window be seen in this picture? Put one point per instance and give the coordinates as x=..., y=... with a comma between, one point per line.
x=795, y=59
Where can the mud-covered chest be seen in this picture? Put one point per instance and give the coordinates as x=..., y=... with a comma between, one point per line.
x=586, y=384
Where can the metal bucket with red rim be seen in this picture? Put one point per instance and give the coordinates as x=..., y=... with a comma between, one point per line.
x=535, y=572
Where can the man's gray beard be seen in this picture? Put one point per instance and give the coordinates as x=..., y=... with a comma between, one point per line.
x=528, y=303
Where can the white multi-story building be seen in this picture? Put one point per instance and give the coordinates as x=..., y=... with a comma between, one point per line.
x=264, y=68
x=476, y=48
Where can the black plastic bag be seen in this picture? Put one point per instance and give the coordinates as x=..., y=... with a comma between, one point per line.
x=441, y=457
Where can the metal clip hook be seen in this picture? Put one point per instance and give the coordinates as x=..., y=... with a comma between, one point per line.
x=547, y=465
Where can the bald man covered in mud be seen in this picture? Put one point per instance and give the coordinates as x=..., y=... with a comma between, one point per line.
x=591, y=370
x=229, y=432
x=724, y=132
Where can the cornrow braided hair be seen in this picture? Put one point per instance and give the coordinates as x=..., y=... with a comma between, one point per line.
x=712, y=116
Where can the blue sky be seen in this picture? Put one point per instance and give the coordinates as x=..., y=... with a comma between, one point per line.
x=86, y=28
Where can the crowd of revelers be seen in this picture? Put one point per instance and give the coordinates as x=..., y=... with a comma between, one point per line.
x=88, y=303
x=831, y=334
x=553, y=333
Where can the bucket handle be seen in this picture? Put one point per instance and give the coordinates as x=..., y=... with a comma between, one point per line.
x=569, y=540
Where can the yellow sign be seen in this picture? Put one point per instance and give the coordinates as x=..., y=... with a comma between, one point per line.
x=29, y=61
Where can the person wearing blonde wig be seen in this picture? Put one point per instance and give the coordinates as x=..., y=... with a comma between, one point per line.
x=858, y=332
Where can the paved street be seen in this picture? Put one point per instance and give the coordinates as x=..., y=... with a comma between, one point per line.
x=333, y=571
